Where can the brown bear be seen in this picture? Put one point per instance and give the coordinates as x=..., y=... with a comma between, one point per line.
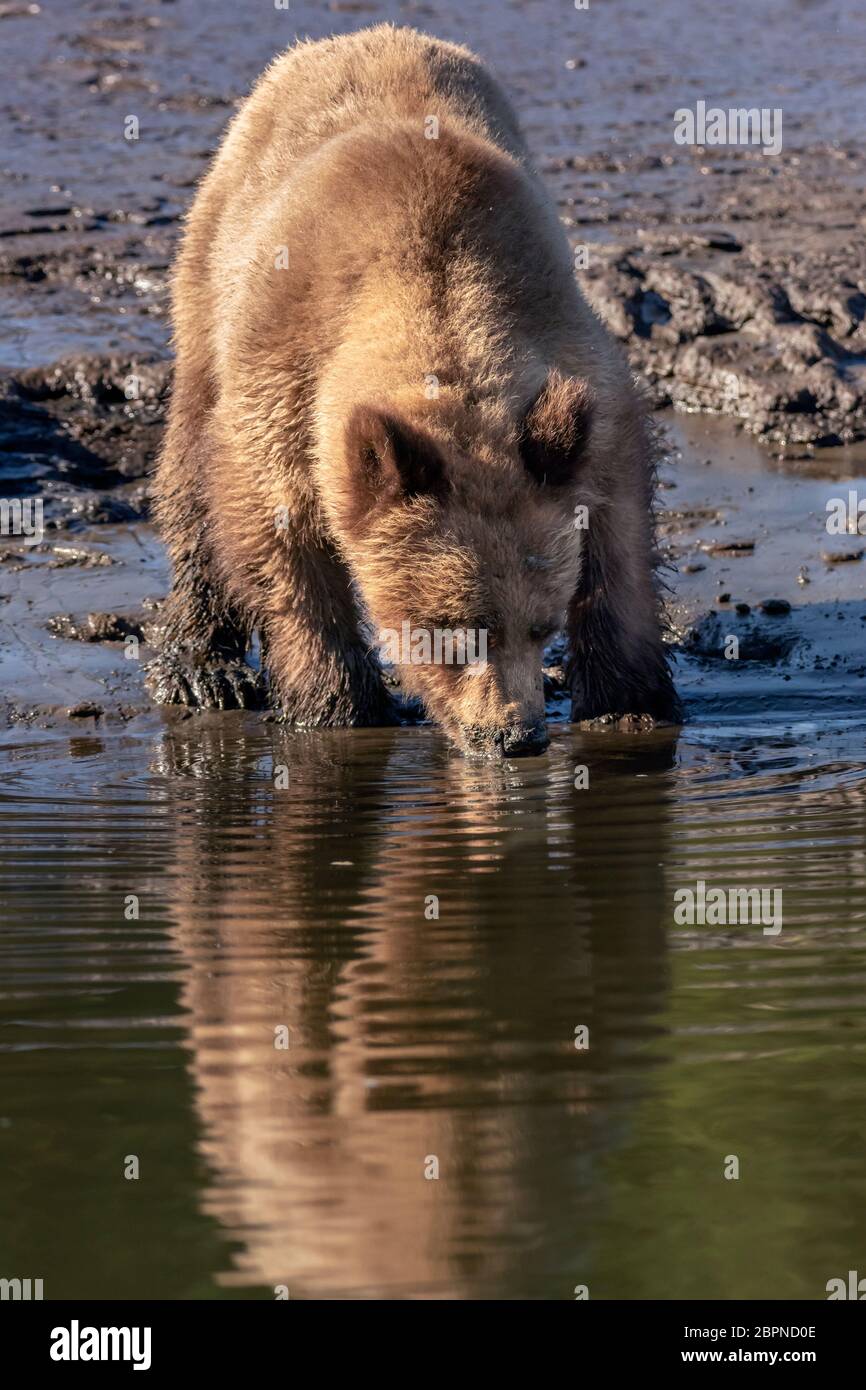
x=394, y=412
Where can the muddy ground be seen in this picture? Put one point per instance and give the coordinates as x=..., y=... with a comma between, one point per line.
x=736, y=282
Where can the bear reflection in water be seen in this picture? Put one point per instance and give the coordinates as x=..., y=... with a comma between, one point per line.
x=431, y=933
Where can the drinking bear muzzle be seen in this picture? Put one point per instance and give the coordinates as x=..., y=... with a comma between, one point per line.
x=522, y=740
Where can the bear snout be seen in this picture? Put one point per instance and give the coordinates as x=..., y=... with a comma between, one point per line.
x=524, y=740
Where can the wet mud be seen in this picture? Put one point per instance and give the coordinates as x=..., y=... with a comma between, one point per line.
x=736, y=282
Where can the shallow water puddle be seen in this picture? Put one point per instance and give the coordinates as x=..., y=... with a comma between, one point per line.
x=419, y=1042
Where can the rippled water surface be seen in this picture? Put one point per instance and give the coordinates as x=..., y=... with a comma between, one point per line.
x=292, y=882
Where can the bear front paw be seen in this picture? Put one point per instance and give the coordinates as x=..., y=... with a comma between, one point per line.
x=179, y=678
x=631, y=705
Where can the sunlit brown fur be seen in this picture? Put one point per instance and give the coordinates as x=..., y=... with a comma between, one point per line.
x=390, y=399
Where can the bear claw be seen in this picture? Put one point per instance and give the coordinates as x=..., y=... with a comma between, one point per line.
x=178, y=679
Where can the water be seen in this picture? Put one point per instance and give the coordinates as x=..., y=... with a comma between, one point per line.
x=412, y=1037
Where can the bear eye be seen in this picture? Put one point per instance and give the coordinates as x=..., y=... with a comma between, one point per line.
x=541, y=632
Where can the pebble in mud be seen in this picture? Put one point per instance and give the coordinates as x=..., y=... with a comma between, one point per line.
x=554, y=680
x=842, y=556
x=775, y=607
x=729, y=547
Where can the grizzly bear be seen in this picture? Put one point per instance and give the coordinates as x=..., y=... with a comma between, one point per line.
x=394, y=410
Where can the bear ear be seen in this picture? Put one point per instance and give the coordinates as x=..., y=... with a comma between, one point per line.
x=390, y=461
x=555, y=430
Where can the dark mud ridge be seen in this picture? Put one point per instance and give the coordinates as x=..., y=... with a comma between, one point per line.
x=83, y=435
x=756, y=307
x=752, y=340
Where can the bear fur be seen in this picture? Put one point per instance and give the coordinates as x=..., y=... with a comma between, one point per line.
x=392, y=405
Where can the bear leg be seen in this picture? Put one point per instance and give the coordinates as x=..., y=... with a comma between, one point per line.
x=321, y=669
x=204, y=636
x=200, y=661
x=617, y=664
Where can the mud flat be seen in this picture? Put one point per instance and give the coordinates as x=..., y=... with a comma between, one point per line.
x=736, y=282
